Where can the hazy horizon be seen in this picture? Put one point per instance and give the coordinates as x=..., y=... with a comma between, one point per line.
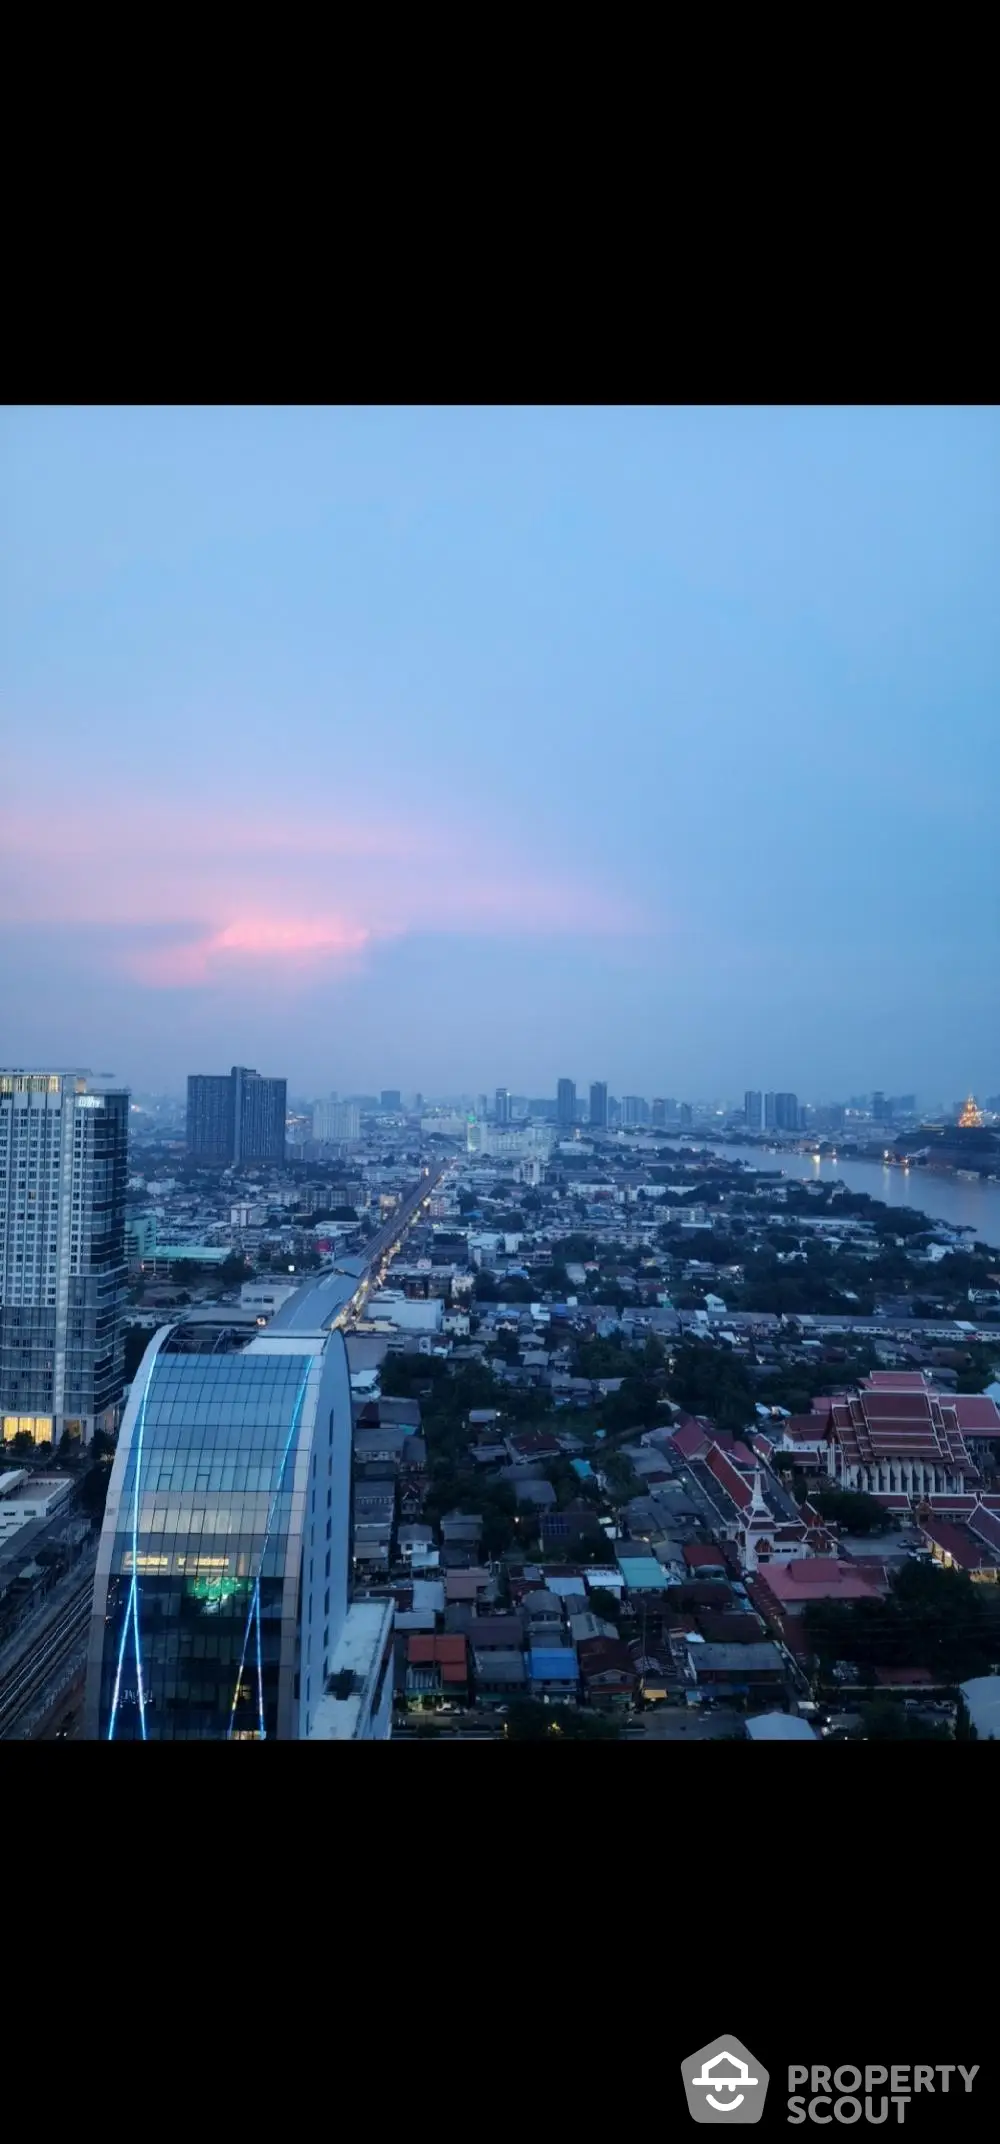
x=442, y=748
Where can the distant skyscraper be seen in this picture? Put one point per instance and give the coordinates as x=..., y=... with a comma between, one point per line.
x=599, y=1104
x=482, y=1109
x=769, y=1117
x=391, y=1101
x=335, y=1122
x=239, y=1118
x=902, y=1105
x=63, y=1174
x=686, y=1115
x=881, y=1110
x=566, y=1104
x=659, y=1112
x=786, y=1113
x=502, y=1106
x=261, y=1106
x=635, y=1110
x=210, y=1118
x=614, y=1112
x=752, y=1106
x=830, y=1119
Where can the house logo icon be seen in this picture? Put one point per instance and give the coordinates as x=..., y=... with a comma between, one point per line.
x=724, y=2083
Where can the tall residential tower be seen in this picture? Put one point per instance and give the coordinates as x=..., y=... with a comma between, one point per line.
x=63, y=1172
x=566, y=1104
x=236, y=1117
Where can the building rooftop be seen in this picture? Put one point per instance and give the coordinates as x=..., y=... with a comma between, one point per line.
x=551, y=1663
x=358, y=1655
x=314, y=1306
x=815, y=1578
x=779, y=1727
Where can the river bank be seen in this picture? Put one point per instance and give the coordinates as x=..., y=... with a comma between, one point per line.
x=966, y=1203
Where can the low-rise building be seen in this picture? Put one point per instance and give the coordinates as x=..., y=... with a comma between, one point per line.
x=437, y=1668
x=553, y=1673
x=26, y=1497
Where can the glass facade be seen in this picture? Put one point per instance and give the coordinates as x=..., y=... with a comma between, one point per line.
x=197, y=1606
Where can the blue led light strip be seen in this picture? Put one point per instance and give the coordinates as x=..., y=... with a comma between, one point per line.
x=254, y=1608
x=132, y=1604
x=260, y=1674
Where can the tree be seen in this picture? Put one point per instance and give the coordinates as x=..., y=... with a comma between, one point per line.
x=853, y=1510
x=530, y=1721
x=886, y=1720
x=621, y=1477
x=933, y=1618
x=602, y=1602
x=633, y=1406
x=94, y=1489
x=709, y=1380
x=235, y=1268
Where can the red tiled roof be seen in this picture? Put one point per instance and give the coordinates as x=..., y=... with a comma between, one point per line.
x=729, y=1478
x=986, y=1524
x=701, y=1555
x=976, y=1412
x=741, y=1457
x=809, y=1427
x=874, y=1428
x=960, y=1543
x=897, y=1381
x=448, y=1650
x=690, y=1440
x=815, y=1578
x=874, y=1572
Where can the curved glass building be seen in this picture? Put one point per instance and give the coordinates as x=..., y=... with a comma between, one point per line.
x=222, y=1576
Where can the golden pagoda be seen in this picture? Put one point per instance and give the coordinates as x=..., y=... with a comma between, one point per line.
x=972, y=1117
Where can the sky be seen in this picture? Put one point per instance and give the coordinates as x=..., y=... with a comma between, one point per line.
x=448, y=748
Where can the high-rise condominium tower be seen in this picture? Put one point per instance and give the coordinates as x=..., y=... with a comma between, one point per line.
x=236, y=1117
x=63, y=1173
x=566, y=1104
x=599, y=1104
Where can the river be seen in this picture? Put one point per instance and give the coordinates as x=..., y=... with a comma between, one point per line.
x=944, y=1198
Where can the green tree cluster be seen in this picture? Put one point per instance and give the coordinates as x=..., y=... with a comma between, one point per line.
x=932, y=1618
x=852, y=1510
x=530, y=1721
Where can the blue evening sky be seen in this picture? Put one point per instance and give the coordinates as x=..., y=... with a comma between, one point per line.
x=448, y=747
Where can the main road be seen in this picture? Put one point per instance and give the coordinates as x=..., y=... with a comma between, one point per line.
x=388, y=1240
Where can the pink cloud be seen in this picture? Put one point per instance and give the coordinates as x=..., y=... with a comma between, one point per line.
x=287, y=946
x=222, y=897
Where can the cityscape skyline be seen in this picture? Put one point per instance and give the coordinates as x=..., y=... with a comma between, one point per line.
x=437, y=737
